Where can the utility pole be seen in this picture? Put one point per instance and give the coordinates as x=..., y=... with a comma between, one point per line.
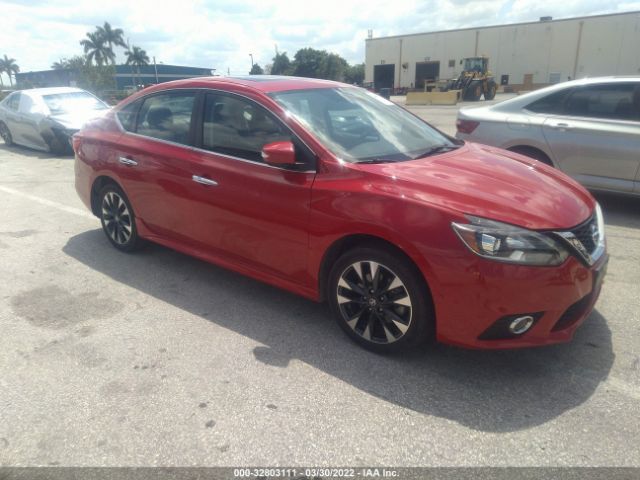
x=251, y=55
x=155, y=69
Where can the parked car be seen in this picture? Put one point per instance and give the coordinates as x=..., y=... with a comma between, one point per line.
x=407, y=233
x=589, y=129
x=46, y=118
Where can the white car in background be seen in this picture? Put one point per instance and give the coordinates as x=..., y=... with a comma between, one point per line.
x=589, y=129
x=46, y=118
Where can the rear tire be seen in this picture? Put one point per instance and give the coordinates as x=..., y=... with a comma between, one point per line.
x=380, y=300
x=5, y=133
x=117, y=218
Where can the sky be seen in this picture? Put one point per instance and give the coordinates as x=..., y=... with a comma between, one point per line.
x=221, y=35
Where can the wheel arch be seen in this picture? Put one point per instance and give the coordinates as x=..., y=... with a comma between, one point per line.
x=523, y=148
x=99, y=182
x=351, y=241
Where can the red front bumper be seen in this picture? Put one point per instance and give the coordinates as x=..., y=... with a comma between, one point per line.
x=564, y=296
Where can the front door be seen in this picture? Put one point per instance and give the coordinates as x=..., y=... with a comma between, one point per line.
x=255, y=213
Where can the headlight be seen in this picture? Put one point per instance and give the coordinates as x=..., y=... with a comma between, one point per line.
x=507, y=243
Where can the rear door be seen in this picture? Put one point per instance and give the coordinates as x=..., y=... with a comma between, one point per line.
x=154, y=162
x=596, y=136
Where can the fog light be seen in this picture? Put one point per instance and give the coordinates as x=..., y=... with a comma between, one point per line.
x=521, y=324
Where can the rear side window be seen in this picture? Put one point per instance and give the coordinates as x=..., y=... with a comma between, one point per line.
x=167, y=117
x=617, y=101
x=127, y=115
x=238, y=127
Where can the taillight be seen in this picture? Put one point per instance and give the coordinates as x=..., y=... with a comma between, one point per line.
x=466, y=126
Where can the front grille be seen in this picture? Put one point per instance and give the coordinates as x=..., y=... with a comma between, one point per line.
x=586, y=232
x=585, y=240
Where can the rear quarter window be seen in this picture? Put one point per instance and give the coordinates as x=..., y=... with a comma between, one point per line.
x=552, y=103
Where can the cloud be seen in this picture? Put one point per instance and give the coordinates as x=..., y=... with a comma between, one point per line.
x=222, y=35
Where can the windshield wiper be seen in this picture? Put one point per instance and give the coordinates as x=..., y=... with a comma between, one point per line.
x=377, y=160
x=437, y=149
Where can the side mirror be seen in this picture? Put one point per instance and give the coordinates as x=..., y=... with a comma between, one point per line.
x=279, y=153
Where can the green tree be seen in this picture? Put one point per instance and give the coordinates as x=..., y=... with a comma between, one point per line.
x=94, y=78
x=111, y=36
x=136, y=57
x=281, y=64
x=308, y=62
x=333, y=67
x=256, y=70
x=9, y=66
x=97, y=50
x=354, y=74
x=97, y=78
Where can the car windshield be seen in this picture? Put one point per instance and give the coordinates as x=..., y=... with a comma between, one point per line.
x=69, y=102
x=359, y=126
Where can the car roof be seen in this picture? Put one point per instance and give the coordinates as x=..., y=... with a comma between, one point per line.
x=262, y=83
x=50, y=91
x=525, y=99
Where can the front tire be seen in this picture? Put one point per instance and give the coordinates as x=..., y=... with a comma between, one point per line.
x=118, y=219
x=6, y=134
x=490, y=94
x=379, y=299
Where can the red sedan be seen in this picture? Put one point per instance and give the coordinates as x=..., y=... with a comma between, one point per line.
x=337, y=194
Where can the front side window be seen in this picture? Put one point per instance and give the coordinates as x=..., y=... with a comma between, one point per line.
x=167, y=117
x=239, y=127
x=358, y=126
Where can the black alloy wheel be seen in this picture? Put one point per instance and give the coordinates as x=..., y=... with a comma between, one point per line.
x=379, y=300
x=118, y=219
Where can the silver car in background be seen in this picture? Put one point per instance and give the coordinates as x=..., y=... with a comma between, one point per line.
x=589, y=129
x=46, y=118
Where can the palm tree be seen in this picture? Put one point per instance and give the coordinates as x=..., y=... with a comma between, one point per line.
x=9, y=66
x=96, y=49
x=136, y=57
x=112, y=36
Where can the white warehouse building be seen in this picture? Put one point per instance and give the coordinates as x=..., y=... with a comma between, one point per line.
x=524, y=55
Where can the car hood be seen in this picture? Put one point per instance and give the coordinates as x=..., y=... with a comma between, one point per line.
x=75, y=120
x=491, y=183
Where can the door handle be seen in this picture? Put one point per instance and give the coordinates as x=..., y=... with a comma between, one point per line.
x=204, y=181
x=127, y=161
x=562, y=126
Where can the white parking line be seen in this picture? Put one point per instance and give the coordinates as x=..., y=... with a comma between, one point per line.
x=49, y=203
